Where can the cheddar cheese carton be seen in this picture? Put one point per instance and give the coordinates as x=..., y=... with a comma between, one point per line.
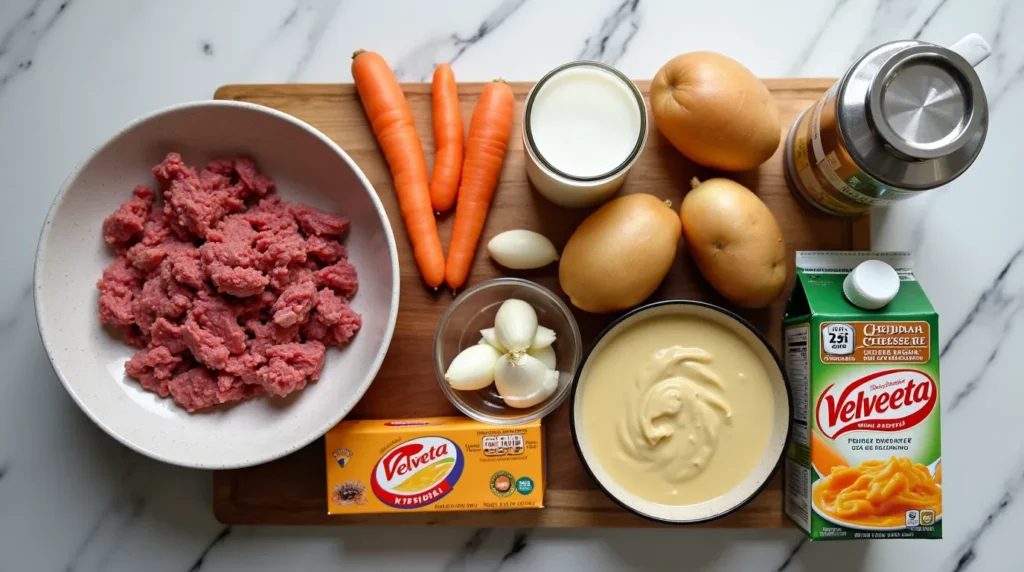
x=433, y=464
x=864, y=458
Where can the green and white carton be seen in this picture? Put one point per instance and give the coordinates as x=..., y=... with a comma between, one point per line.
x=864, y=457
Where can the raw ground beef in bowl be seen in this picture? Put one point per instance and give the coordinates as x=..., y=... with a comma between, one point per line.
x=229, y=292
x=226, y=281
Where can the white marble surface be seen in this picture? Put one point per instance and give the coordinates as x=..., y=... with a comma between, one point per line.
x=72, y=72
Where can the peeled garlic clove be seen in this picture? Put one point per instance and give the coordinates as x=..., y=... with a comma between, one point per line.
x=546, y=355
x=519, y=376
x=522, y=250
x=473, y=368
x=491, y=337
x=515, y=325
x=543, y=338
x=545, y=391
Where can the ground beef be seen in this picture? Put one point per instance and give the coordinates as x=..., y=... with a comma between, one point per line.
x=120, y=287
x=198, y=207
x=153, y=368
x=167, y=334
x=238, y=281
x=332, y=325
x=162, y=297
x=253, y=182
x=225, y=304
x=290, y=366
x=128, y=221
x=315, y=223
x=199, y=388
x=340, y=276
x=325, y=249
x=294, y=304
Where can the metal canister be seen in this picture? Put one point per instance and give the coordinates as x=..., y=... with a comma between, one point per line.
x=907, y=117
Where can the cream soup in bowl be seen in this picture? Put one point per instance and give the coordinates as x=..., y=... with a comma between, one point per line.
x=681, y=411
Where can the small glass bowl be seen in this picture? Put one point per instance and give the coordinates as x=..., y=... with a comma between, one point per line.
x=474, y=310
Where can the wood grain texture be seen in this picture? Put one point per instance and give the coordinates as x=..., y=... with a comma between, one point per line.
x=291, y=490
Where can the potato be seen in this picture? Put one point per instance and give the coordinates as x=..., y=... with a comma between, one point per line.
x=714, y=111
x=619, y=255
x=735, y=241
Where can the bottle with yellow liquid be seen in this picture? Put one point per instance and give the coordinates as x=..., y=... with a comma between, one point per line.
x=433, y=464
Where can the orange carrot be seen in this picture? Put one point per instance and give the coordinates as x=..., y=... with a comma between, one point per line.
x=391, y=118
x=444, y=183
x=824, y=457
x=489, y=130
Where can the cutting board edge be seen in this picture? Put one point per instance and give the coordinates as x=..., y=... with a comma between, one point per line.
x=236, y=91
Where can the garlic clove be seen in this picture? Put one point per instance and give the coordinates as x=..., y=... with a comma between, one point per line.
x=515, y=325
x=522, y=250
x=546, y=355
x=543, y=338
x=491, y=337
x=546, y=390
x=473, y=368
x=519, y=376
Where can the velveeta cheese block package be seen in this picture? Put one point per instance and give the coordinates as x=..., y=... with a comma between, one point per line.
x=864, y=458
x=433, y=464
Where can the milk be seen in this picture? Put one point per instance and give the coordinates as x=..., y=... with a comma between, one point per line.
x=585, y=122
x=583, y=127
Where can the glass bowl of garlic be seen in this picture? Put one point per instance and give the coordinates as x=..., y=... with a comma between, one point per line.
x=506, y=351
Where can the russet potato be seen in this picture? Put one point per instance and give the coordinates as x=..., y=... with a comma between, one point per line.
x=735, y=241
x=619, y=255
x=715, y=111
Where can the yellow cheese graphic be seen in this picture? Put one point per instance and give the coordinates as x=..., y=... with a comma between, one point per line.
x=426, y=477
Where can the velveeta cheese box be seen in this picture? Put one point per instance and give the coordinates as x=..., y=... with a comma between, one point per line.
x=433, y=464
x=864, y=458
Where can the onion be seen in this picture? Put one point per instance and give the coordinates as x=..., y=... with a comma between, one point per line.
x=473, y=368
x=544, y=338
x=519, y=377
x=522, y=250
x=546, y=389
x=491, y=337
x=546, y=355
x=515, y=325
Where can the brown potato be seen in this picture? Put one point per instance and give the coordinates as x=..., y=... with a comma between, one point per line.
x=715, y=111
x=619, y=255
x=735, y=241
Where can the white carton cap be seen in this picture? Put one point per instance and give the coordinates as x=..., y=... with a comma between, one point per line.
x=871, y=285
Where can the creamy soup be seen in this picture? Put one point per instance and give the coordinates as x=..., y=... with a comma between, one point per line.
x=678, y=409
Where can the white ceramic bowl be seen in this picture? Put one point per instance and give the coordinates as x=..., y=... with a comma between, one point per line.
x=754, y=482
x=309, y=168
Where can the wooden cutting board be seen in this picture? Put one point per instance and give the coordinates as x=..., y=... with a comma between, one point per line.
x=292, y=490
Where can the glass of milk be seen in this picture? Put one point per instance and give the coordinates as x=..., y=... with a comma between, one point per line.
x=584, y=125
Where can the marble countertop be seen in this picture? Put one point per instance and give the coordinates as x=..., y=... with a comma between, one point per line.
x=73, y=71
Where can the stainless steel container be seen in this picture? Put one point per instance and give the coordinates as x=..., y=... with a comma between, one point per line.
x=908, y=116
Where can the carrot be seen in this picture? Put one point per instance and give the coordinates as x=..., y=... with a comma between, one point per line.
x=444, y=183
x=489, y=130
x=391, y=118
x=824, y=457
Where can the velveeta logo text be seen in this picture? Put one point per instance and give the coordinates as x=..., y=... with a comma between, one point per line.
x=417, y=472
x=891, y=400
